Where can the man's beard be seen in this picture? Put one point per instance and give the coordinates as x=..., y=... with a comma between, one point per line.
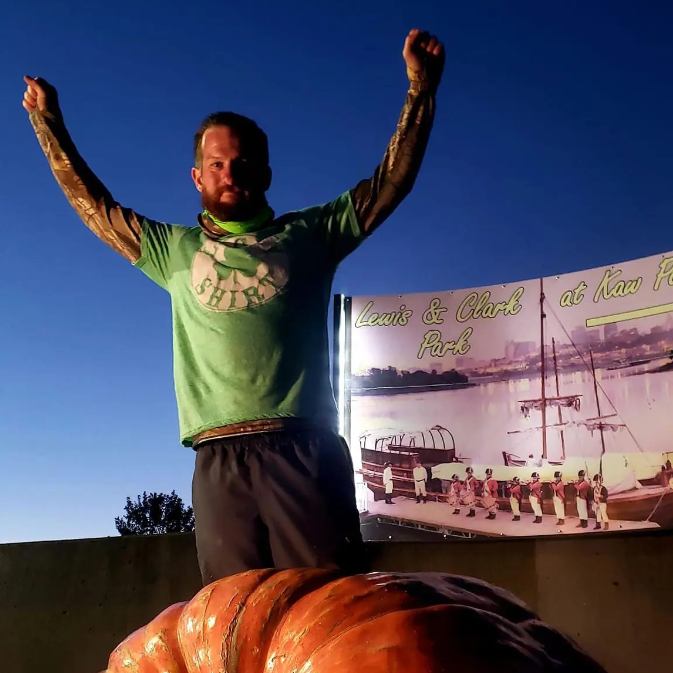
x=239, y=211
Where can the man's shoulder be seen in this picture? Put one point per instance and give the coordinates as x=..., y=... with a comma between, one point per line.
x=168, y=228
x=315, y=212
x=300, y=217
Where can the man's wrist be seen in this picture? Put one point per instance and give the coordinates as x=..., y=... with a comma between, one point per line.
x=419, y=82
x=49, y=117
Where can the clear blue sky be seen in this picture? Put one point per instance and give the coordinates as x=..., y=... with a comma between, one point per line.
x=552, y=151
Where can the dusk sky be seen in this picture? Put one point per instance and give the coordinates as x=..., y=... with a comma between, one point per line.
x=551, y=153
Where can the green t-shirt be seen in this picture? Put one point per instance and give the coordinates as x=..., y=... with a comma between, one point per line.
x=250, y=337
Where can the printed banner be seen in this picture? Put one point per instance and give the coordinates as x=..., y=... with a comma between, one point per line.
x=534, y=408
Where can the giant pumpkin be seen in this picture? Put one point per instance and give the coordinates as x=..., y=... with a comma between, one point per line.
x=311, y=621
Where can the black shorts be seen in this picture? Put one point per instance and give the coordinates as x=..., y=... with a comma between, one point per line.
x=282, y=499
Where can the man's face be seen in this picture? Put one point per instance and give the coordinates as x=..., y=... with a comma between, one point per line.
x=232, y=180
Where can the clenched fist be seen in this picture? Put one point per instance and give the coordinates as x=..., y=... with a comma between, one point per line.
x=424, y=55
x=40, y=95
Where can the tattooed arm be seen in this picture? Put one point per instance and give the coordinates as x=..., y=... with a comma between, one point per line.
x=376, y=198
x=117, y=226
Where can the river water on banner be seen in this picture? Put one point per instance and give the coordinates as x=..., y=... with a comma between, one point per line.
x=481, y=417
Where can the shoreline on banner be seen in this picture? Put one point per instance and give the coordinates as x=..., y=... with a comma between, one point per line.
x=435, y=517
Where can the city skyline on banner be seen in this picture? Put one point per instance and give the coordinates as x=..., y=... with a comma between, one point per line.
x=586, y=305
x=557, y=376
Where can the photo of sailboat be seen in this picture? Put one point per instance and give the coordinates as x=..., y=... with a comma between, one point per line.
x=569, y=398
x=402, y=451
x=640, y=489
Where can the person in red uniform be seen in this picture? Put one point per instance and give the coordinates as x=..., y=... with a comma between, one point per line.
x=535, y=496
x=558, y=487
x=456, y=488
x=515, y=498
x=583, y=489
x=490, y=491
x=601, y=503
x=471, y=485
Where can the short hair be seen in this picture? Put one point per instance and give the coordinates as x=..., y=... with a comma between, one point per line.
x=244, y=127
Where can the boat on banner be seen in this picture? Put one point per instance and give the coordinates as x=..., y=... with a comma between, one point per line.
x=430, y=447
x=640, y=483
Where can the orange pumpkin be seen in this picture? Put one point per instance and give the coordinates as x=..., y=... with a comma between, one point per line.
x=311, y=621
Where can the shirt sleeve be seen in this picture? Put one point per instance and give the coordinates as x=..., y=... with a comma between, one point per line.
x=158, y=242
x=337, y=228
x=116, y=225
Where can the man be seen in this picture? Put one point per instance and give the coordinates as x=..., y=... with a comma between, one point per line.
x=420, y=479
x=559, y=498
x=469, y=495
x=490, y=493
x=601, y=503
x=582, y=488
x=515, y=498
x=388, y=482
x=533, y=461
x=273, y=481
x=454, y=495
x=535, y=496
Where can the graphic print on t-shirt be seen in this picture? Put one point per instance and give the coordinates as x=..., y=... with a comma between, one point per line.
x=238, y=272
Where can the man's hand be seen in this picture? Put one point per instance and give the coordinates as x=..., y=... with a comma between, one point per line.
x=424, y=55
x=40, y=95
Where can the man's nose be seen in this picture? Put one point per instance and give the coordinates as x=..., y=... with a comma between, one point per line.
x=227, y=174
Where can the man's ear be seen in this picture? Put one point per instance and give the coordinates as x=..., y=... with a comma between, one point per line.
x=196, y=177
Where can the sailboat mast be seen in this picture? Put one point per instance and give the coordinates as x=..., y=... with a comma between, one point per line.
x=598, y=407
x=558, y=394
x=543, y=373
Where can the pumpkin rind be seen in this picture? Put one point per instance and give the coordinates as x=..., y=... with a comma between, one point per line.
x=153, y=647
x=311, y=621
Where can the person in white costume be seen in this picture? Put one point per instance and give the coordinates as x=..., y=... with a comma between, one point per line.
x=420, y=478
x=388, y=483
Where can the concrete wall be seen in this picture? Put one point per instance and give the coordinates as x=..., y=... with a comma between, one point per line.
x=65, y=605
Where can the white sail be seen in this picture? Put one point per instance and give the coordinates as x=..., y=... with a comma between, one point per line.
x=618, y=475
x=645, y=464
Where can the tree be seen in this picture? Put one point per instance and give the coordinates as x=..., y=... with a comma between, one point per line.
x=155, y=514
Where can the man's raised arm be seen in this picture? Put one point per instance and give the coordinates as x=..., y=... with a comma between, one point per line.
x=119, y=227
x=376, y=198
